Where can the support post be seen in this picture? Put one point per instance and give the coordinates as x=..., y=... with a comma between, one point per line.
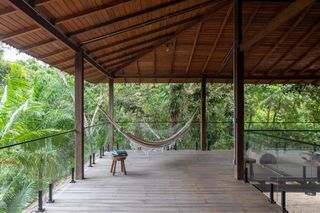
x=111, y=112
x=203, y=126
x=79, y=118
x=238, y=81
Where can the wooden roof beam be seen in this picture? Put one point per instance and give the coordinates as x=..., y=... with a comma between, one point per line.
x=292, y=10
x=125, y=55
x=310, y=64
x=90, y=11
x=227, y=57
x=282, y=39
x=137, y=14
x=215, y=44
x=208, y=13
x=138, y=36
x=19, y=33
x=161, y=37
x=315, y=47
x=45, y=24
x=196, y=38
x=297, y=44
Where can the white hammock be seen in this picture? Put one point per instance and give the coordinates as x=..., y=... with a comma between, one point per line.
x=152, y=144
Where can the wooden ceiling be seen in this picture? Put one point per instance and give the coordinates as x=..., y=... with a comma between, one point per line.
x=167, y=40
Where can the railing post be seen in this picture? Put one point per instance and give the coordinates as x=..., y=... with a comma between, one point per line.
x=283, y=201
x=40, y=206
x=94, y=158
x=272, y=194
x=72, y=176
x=100, y=153
x=90, y=161
x=304, y=173
x=246, y=175
x=103, y=150
x=318, y=173
x=50, y=199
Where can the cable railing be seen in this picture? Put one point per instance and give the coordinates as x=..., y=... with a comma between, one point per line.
x=32, y=169
x=285, y=165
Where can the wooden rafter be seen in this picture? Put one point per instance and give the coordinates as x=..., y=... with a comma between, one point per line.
x=173, y=54
x=227, y=57
x=45, y=24
x=143, y=43
x=315, y=47
x=292, y=10
x=214, y=46
x=310, y=64
x=292, y=48
x=90, y=11
x=282, y=39
x=38, y=44
x=56, y=52
x=7, y=11
x=123, y=18
x=194, y=46
x=143, y=24
x=139, y=36
x=205, y=16
x=19, y=33
x=126, y=54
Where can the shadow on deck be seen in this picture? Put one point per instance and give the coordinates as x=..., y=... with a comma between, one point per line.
x=170, y=181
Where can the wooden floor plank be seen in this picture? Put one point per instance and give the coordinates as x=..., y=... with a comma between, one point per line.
x=170, y=181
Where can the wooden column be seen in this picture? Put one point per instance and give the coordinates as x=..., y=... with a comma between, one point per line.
x=111, y=112
x=238, y=81
x=79, y=118
x=203, y=127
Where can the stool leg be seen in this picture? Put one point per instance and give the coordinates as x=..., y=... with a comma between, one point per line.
x=114, y=168
x=124, y=168
x=121, y=165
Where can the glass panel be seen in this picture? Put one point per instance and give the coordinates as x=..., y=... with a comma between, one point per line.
x=289, y=159
x=27, y=168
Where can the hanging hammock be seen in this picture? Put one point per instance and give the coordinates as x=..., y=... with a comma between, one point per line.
x=152, y=144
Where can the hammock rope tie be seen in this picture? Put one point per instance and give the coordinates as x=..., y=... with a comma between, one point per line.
x=151, y=144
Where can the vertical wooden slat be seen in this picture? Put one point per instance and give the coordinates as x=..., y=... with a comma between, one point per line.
x=79, y=117
x=111, y=112
x=203, y=126
x=238, y=80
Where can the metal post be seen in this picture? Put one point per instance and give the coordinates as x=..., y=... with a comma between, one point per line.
x=238, y=81
x=283, y=201
x=72, y=176
x=100, y=153
x=318, y=173
x=90, y=161
x=50, y=199
x=304, y=173
x=246, y=175
x=40, y=206
x=103, y=150
x=94, y=158
x=272, y=194
x=79, y=117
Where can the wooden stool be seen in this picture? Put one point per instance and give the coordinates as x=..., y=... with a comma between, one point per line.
x=114, y=164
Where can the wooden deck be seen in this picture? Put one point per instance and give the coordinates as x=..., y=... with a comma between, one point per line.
x=170, y=181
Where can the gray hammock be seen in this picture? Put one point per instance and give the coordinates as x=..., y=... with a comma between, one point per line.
x=152, y=144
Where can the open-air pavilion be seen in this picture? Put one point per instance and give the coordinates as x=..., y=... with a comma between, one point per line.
x=172, y=41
